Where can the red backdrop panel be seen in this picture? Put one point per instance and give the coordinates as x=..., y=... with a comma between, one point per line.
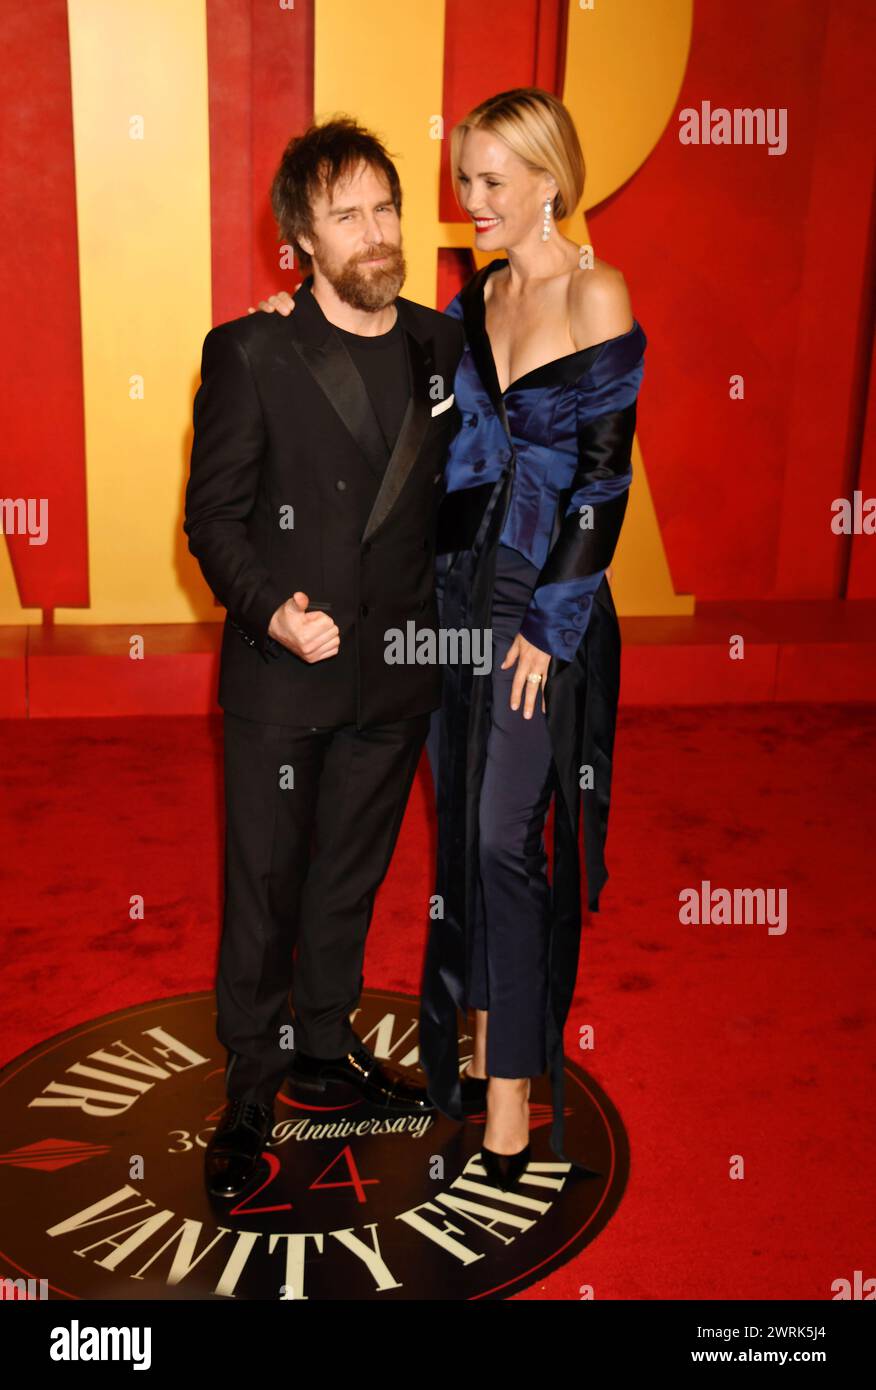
x=744, y=262
x=43, y=451
x=261, y=94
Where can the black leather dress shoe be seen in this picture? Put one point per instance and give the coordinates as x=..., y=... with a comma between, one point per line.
x=381, y=1085
x=234, y=1151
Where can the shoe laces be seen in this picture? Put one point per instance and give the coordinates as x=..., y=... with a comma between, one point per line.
x=246, y=1112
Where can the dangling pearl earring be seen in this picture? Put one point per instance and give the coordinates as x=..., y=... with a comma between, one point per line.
x=546, y=226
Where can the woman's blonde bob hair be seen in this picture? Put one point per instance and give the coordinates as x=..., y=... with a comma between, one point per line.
x=535, y=126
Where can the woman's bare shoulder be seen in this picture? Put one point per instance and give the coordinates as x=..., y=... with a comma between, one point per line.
x=599, y=304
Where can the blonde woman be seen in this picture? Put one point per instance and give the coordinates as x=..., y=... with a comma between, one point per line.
x=537, y=485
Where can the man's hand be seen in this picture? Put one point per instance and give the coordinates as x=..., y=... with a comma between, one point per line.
x=312, y=636
x=528, y=658
x=282, y=302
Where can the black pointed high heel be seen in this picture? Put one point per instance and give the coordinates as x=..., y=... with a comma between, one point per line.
x=505, y=1170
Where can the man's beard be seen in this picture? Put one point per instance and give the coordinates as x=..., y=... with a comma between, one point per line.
x=367, y=287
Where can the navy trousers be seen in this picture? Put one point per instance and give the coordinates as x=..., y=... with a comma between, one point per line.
x=509, y=963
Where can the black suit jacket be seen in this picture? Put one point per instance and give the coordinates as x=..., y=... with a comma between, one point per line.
x=290, y=488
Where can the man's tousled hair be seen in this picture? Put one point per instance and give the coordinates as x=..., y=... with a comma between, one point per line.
x=314, y=162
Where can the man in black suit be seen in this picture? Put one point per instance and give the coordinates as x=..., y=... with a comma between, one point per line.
x=316, y=472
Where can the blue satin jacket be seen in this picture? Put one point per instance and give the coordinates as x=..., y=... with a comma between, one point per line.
x=566, y=429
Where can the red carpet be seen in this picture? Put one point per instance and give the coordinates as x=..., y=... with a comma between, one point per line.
x=713, y=1041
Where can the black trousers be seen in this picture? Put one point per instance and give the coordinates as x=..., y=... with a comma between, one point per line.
x=312, y=818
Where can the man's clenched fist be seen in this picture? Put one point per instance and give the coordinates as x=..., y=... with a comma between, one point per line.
x=312, y=636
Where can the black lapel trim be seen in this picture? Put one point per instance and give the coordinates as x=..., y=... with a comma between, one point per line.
x=411, y=434
x=335, y=372
x=474, y=318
